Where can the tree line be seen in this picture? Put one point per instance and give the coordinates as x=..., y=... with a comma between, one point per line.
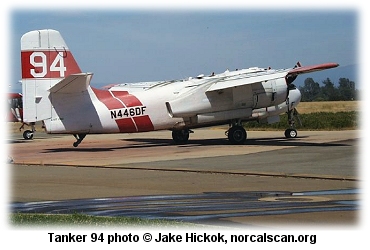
x=313, y=91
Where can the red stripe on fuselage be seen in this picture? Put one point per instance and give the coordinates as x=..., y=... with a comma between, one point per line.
x=106, y=97
x=128, y=99
x=126, y=125
x=143, y=123
x=120, y=100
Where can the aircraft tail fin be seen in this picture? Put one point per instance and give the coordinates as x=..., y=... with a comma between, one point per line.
x=45, y=61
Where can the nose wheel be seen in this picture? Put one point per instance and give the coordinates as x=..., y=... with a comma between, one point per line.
x=292, y=132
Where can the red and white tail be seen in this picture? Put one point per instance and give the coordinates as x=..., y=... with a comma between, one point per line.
x=45, y=61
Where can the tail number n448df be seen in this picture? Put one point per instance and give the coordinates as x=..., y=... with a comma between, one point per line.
x=127, y=112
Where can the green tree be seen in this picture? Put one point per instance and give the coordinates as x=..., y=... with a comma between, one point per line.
x=346, y=90
x=329, y=92
x=310, y=91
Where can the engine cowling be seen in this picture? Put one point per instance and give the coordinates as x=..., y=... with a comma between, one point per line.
x=269, y=93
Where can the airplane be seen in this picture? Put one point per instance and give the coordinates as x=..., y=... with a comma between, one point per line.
x=15, y=114
x=15, y=107
x=57, y=92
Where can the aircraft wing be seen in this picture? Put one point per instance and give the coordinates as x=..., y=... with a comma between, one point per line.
x=251, y=78
x=312, y=68
x=72, y=83
x=245, y=79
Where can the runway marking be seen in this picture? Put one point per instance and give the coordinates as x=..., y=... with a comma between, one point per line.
x=296, y=199
x=199, y=208
x=261, y=174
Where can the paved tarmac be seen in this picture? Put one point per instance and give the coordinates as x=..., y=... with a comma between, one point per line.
x=270, y=181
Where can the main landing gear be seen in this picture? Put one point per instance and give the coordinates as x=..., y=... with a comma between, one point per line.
x=181, y=136
x=236, y=133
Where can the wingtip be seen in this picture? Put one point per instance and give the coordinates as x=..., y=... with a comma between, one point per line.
x=313, y=68
x=332, y=65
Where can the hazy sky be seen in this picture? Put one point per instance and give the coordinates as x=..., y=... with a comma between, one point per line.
x=131, y=45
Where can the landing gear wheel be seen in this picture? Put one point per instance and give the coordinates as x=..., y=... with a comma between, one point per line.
x=28, y=135
x=290, y=133
x=237, y=135
x=180, y=136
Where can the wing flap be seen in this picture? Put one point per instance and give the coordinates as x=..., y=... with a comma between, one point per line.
x=72, y=84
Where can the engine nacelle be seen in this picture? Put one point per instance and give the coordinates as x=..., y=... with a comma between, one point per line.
x=269, y=93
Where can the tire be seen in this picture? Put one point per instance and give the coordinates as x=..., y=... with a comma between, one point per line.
x=180, y=136
x=237, y=135
x=28, y=135
x=291, y=133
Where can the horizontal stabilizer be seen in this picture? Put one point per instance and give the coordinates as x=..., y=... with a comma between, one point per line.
x=73, y=83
